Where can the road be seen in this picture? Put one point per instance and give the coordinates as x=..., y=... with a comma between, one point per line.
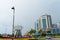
x=56, y=38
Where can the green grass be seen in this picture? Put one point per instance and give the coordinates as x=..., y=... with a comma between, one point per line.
x=0, y=38
x=56, y=36
x=42, y=39
x=26, y=39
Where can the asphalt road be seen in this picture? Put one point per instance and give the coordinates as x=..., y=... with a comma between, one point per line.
x=48, y=39
x=56, y=39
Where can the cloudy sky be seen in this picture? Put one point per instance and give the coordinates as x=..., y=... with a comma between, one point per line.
x=26, y=13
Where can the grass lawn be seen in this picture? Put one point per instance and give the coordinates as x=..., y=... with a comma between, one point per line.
x=0, y=38
x=56, y=36
x=42, y=39
x=24, y=39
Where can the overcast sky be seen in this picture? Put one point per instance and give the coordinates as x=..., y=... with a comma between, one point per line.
x=26, y=13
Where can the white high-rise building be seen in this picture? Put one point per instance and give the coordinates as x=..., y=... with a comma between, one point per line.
x=58, y=24
x=54, y=25
x=45, y=22
x=37, y=25
x=17, y=30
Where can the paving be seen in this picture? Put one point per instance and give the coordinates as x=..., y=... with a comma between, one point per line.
x=53, y=39
x=56, y=39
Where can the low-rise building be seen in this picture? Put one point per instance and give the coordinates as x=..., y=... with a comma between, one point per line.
x=55, y=30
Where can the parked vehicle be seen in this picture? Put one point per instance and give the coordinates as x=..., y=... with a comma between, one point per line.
x=48, y=37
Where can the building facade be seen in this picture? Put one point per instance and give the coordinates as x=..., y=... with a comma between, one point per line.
x=45, y=22
x=55, y=31
x=17, y=30
x=56, y=28
x=37, y=25
x=58, y=24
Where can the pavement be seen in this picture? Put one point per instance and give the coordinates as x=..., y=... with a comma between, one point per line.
x=55, y=38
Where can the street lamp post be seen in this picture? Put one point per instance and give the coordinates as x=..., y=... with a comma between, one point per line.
x=13, y=20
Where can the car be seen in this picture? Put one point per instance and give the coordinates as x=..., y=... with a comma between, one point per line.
x=48, y=37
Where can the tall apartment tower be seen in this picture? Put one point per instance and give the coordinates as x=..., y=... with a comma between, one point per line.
x=45, y=22
x=17, y=30
x=37, y=25
x=58, y=24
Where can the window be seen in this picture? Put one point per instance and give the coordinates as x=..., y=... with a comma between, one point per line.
x=44, y=23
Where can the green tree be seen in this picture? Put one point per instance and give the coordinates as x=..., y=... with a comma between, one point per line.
x=42, y=33
x=48, y=31
x=32, y=31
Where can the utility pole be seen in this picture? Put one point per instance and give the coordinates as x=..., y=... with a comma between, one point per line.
x=13, y=8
